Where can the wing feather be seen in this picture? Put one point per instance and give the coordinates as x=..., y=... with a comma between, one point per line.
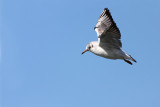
x=107, y=30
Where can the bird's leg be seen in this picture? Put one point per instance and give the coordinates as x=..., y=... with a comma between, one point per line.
x=127, y=61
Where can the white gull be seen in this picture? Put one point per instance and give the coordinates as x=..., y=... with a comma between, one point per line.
x=108, y=44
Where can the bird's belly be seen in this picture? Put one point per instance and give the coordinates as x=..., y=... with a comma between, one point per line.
x=106, y=55
x=110, y=54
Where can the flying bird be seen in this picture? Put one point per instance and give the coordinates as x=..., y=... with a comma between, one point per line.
x=109, y=44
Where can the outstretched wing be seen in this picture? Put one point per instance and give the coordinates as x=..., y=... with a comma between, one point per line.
x=107, y=30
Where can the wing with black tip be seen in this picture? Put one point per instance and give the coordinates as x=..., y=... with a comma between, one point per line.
x=107, y=30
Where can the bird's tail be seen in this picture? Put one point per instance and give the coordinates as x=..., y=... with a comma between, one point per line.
x=129, y=57
x=132, y=58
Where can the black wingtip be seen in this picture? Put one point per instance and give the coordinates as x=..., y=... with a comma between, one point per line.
x=106, y=9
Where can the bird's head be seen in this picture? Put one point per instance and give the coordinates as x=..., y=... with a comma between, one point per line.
x=89, y=47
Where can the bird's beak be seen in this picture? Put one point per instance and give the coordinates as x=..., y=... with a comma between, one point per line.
x=84, y=51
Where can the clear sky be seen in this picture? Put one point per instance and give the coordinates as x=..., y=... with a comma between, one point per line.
x=41, y=62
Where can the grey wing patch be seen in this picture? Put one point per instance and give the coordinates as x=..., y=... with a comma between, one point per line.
x=103, y=23
x=111, y=40
x=107, y=29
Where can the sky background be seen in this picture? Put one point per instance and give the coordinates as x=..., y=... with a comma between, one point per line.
x=40, y=54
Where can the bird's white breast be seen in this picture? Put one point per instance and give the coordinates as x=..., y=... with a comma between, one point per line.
x=100, y=51
x=107, y=53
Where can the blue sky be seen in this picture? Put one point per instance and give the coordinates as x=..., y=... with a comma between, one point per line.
x=41, y=62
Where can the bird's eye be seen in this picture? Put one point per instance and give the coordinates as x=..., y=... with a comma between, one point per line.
x=92, y=46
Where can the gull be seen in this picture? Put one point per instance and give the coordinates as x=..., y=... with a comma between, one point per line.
x=108, y=44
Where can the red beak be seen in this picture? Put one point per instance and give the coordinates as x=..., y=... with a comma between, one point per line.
x=84, y=51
